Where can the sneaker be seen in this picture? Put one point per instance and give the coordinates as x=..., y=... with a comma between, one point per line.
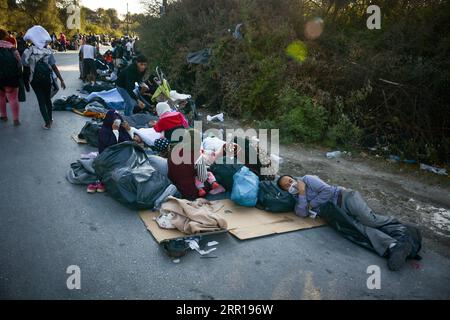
x=398, y=255
x=101, y=188
x=46, y=127
x=92, y=188
x=201, y=193
x=215, y=185
x=4, y=119
x=16, y=123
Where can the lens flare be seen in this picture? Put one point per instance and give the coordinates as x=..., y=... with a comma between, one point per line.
x=314, y=28
x=297, y=50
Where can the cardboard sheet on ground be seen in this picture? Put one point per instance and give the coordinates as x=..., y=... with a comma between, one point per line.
x=244, y=223
x=78, y=140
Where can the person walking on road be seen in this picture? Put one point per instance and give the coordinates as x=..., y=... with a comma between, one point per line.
x=87, y=55
x=39, y=57
x=10, y=74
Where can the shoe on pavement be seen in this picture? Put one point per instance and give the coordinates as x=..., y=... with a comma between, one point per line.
x=4, y=119
x=16, y=123
x=398, y=255
x=215, y=185
x=201, y=193
x=46, y=127
x=92, y=188
x=101, y=188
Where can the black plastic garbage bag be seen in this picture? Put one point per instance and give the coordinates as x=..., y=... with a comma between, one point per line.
x=69, y=103
x=199, y=57
x=98, y=87
x=90, y=133
x=354, y=231
x=128, y=176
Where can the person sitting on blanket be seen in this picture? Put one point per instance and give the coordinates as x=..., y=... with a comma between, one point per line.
x=311, y=192
x=113, y=131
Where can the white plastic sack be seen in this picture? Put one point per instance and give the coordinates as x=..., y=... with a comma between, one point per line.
x=38, y=35
x=175, y=96
x=213, y=144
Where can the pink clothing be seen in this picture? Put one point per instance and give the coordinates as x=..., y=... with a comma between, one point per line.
x=200, y=185
x=9, y=45
x=13, y=98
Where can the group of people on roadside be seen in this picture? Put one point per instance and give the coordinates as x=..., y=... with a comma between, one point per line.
x=388, y=237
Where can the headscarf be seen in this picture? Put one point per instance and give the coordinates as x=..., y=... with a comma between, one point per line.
x=162, y=108
x=38, y=35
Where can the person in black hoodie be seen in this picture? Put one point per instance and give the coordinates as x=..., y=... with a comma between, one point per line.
x=126, y=82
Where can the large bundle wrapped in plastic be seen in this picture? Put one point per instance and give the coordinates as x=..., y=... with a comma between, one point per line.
x=129, y=177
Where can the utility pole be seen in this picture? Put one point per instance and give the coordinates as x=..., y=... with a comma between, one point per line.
x=128, y=21
x=163, y=8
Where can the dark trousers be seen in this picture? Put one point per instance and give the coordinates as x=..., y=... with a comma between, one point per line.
x=382, y=231
x=43, y=92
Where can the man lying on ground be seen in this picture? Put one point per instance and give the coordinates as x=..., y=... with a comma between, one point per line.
x=387, y=236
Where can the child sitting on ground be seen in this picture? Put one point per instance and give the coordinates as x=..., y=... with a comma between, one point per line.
x=205, y=176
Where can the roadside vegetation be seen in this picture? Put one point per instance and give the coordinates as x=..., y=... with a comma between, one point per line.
x=350, y=87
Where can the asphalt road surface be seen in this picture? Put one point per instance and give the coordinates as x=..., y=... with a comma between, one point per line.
x=47, y=225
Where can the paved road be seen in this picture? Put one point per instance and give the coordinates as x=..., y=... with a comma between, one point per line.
x=47, y=224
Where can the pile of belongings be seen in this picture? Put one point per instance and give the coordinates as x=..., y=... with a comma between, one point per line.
x=99, y=86
x=191, y=217
x=82, y=172
x=129, y=176
x=70, y=103
x=111, y=98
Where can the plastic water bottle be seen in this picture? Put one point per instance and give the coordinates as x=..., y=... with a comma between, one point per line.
x=334, y=154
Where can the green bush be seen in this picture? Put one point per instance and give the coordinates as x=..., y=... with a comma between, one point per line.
x=344, y=133
x=302, y=118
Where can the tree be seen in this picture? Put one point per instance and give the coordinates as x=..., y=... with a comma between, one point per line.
x=3, y=10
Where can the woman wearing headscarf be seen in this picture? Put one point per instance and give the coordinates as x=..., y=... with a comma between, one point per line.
x=42, y=65
x=112, y=132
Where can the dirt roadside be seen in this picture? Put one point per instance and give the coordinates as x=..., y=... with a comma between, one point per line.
x=403, y=191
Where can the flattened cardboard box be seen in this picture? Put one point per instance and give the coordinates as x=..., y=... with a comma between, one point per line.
x=243, y=223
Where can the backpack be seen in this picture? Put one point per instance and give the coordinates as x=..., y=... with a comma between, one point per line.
x=42, y=73
x=9, y=68
x=272, y=199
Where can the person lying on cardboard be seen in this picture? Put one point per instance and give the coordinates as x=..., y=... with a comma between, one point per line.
x=346, y=211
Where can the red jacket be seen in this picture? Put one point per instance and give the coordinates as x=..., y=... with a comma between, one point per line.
x=170, y=120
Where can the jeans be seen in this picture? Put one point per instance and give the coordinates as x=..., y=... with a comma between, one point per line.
x=130, y=103
x=43, y=95
x=13, y=98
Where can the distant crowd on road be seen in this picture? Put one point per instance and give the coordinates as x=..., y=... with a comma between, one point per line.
x=27, y=60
